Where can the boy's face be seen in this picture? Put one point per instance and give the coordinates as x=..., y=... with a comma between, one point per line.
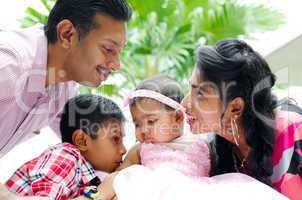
x=106, y=151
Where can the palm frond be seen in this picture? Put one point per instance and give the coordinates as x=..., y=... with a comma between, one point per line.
x=162, y=35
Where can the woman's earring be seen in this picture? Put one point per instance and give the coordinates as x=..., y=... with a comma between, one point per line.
x=235, y=131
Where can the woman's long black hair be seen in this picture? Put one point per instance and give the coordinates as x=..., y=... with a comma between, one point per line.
x=233, y=61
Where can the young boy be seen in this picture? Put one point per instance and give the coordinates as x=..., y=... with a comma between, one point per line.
x=92, y=132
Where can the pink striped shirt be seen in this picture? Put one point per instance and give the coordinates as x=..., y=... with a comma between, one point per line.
x=287, y=157
x=26, y=105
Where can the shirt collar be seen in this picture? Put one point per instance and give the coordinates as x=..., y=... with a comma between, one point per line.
x=88, y=172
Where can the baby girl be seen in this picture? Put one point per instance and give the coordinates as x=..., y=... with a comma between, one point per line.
x=158, y=118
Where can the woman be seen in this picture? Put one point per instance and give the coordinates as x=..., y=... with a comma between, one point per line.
x=231, y=96
x=226, y=76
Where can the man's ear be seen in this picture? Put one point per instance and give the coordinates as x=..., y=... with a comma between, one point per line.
x=79, y=139
x=67, y=34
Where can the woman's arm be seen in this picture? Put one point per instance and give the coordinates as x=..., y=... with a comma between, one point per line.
x=132, y=158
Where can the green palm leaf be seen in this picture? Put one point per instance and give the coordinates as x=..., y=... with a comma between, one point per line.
x=162, y=35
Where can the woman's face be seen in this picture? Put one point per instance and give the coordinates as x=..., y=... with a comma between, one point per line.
x=203, y=105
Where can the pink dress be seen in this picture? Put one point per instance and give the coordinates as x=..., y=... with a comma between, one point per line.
x=168, y=172
x=193, y=160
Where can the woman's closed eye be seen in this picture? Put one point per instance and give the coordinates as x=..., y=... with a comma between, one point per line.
x=200, y=92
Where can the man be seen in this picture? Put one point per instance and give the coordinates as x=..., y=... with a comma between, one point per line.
x=81, y=42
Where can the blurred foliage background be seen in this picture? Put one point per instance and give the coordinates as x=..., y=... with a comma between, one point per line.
x=163, y=34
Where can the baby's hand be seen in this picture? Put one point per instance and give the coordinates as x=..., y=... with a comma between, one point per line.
x=106, y=188
x=132, y=158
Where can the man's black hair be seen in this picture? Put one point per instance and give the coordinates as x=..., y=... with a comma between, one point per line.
x=82, y=12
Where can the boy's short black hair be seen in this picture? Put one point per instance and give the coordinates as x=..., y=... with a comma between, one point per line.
x=82, y=12
x=162, y=84
x=87, y=113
